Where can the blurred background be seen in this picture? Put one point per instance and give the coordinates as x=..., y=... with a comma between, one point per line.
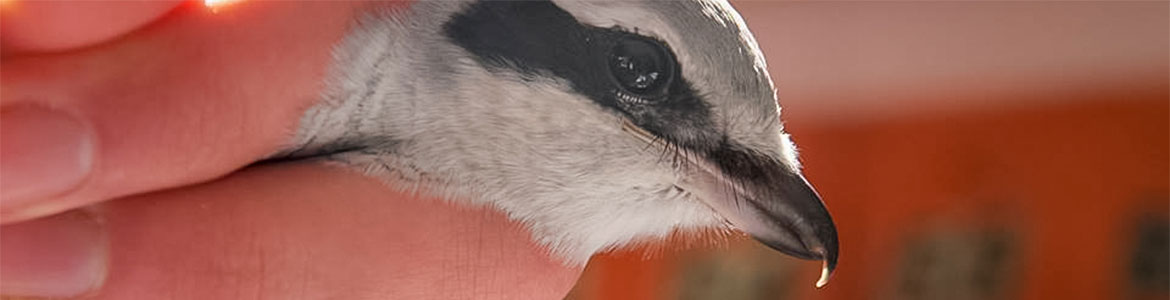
x=967, y=150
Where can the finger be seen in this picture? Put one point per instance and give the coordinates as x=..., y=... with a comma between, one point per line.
x=192, y=97
x=39, y=26
x=311, y=232
x=58, y=256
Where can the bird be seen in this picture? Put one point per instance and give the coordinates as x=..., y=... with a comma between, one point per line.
x=594, y=124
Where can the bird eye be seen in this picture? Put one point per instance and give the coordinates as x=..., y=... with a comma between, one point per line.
x=641, y=67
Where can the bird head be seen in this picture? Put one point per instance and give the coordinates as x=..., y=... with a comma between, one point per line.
x=595, y=124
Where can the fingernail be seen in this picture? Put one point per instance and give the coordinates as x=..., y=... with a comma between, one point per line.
x=58, y=256
x=43, y=152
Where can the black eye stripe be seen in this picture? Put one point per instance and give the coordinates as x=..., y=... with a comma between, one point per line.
x=537, y=37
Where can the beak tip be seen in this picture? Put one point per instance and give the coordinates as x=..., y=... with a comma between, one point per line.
x=828, y=265
x=826, y=273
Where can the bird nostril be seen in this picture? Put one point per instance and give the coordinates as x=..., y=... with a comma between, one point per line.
x=819, y=251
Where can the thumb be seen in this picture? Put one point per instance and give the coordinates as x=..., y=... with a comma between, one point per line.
x=188, y=99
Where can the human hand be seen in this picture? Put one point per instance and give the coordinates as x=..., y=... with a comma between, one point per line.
x=104, y=108
x=121, y=110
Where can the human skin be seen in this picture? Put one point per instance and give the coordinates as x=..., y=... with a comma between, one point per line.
x=126, y=137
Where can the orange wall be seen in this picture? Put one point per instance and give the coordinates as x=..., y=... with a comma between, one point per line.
x=1067, y=177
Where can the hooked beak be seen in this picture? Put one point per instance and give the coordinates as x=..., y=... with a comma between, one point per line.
x=762, y=197
x=765, y=199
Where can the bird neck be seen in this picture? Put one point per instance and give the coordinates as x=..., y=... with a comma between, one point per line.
x=392, y=77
